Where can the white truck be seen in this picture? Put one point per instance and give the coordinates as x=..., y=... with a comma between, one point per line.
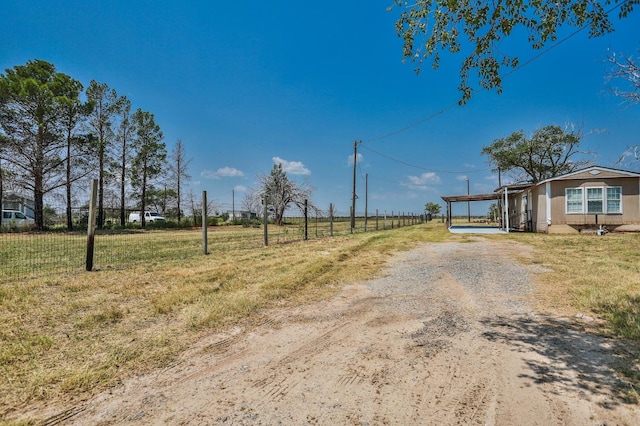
x=149, y=217
x=16, y=218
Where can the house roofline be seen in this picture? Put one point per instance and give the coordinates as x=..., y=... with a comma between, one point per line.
x=514, y=187
x=586, y=169
x=521, y=186
x=8, y=193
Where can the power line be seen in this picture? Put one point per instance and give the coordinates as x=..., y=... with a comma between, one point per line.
x=445, y=109
x=388, y=157
x=411, y=126
x=482, y=89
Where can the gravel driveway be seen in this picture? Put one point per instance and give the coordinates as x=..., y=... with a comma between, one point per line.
x=447, y=336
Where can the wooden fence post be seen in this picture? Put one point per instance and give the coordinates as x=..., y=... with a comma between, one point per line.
x=91, y=225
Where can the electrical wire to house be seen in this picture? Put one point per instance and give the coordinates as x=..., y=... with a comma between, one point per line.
x=480, y=90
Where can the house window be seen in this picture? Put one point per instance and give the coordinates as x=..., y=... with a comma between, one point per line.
x=594, y=200
x=614, y=199
x=574, y=200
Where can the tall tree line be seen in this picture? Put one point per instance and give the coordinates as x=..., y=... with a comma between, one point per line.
x=53, y=137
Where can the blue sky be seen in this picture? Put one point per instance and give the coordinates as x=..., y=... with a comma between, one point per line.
x=247, y=84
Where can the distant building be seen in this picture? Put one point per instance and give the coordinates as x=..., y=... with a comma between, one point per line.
x=241, y=215
x=14, y=201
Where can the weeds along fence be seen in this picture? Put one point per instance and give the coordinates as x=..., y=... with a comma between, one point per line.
x=31, y=254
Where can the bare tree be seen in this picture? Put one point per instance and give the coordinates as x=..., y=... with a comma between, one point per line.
x=124, y=138
x=626, y=68
x=281, y=192
x=252, y=201
x=105, y=106
x=178, y=166
x=195, y=204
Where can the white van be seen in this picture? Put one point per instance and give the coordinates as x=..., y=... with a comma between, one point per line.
x=15, y=218
x=148, y=217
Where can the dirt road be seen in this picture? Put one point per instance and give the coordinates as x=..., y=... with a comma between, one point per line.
x=448, y=336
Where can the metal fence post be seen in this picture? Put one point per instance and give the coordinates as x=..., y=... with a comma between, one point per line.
x=331, y=219
x=204, y=223
x=352, y=214
x=266, y=219
x=306, y=220
x=91, y=225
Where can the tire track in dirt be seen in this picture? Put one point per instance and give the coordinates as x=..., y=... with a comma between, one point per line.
x=445, y=337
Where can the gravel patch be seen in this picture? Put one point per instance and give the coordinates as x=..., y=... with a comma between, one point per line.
x=497, y=282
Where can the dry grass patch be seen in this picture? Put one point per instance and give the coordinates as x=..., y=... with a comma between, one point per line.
x=65, y=337
x=68, y=336
x=598, y=276
x=591, y=274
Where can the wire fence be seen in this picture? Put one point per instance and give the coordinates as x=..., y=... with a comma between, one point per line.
x=30, y=254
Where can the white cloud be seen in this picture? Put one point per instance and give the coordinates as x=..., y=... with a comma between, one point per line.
x=422, y=182
x=292, y=167
x=240, y=188
x=350, y=160
x=222, y=172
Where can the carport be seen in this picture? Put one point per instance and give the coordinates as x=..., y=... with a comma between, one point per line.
x=473, y=229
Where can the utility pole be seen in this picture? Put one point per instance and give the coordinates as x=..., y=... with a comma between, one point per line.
x=468, y=203
x=353, y=195
x=500, y=198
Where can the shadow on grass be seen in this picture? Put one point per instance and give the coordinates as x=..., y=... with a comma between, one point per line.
x=624, y=315
x=574, y=359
